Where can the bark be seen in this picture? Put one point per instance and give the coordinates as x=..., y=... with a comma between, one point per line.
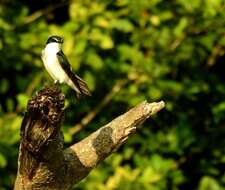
x=44, y=164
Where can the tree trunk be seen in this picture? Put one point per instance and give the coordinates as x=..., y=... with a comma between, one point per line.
x=44, y=164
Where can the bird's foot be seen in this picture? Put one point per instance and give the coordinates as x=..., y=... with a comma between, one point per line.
x=56, y=82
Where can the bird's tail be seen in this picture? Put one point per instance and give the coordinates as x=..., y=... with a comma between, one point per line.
x=80, y=86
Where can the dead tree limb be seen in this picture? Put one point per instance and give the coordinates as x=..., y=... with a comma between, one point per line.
x=44, y=164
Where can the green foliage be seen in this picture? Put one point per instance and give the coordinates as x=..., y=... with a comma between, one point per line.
x=170, y=50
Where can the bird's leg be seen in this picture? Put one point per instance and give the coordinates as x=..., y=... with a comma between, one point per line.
x=56, y=82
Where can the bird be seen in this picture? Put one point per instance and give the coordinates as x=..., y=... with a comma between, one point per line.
x=59, y=68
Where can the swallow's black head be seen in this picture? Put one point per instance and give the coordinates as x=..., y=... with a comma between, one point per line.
x=56, y=39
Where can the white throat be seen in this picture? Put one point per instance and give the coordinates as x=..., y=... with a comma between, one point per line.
x=53, y=47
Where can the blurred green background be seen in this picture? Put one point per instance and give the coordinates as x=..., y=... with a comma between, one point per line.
x=127, y=51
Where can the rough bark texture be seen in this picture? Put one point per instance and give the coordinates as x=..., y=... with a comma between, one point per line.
x=43, y=164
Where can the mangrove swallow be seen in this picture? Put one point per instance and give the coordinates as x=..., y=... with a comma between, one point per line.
x=59, y=68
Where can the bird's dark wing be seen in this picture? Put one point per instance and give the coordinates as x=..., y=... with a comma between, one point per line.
x=78, y=82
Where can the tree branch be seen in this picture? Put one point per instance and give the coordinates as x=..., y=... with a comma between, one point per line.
x=44, y=164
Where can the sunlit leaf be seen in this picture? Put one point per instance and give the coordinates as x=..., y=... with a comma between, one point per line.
x=208, y=183
x=3, y=161
x=122, y=24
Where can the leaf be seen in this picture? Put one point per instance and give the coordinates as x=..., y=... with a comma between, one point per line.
x=3, y=161
x=123, y=25
x=94, y=60
x=183, y=23
x=4, y=86
x=22, y=100
x=101, y=22
x=150, y=176
x=106, y=42
x=219, y=108
x=209, y=183
x=90, y=79
x=80, y=46
x=78, y=11
x=154, y=93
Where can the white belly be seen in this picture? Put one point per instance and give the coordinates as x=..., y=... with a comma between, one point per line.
x=53, y=67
